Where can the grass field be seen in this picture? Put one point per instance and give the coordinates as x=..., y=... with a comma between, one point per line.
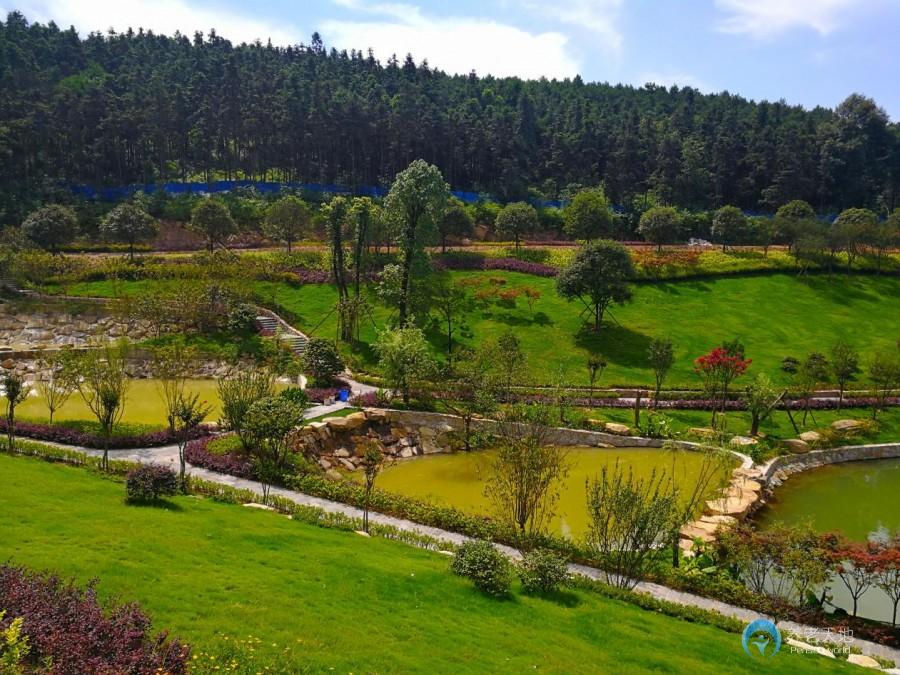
x=775, y=316
x=323, y=600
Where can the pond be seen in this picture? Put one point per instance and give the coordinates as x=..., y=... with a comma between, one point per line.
x=143, y=403
x=458, y=479
x=861, y=499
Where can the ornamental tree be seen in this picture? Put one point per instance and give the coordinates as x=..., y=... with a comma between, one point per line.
x=729, y=225
x=15, y=391
x=455, y=222
x=844, y=367
x=211, y=218
x=405, y=359
x=795, y=220
x=268, y=422
x=660, y=225
x=322, y=361
x=128, y=223
x=856, y=565
x=51, y=226
x=598, y=276
x=887, y=573
x=588, y=216
x=515, y=220
x=851, y=230
x=287, y=220
x=414, y=204
x=661, y=357
x=719, y=368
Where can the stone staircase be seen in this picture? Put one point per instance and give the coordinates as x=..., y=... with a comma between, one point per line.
x=269, y=326
x=10, y=285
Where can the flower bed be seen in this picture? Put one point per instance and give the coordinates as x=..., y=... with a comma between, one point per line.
x=701, y=403
x=458, y=260
x=69, y=627
x=68, y=436
x=232, y=463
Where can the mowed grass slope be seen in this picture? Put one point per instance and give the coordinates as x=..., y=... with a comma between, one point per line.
x=774, y=315
x=324, y=600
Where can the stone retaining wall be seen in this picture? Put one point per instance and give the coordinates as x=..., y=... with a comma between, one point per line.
x=779, y=469
x=46, y=329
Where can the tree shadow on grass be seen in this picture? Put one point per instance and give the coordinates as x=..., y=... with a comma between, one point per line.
x=539, y=319
x=839, y=289
x=618, y=344
x=161, y=504
x=560, y=597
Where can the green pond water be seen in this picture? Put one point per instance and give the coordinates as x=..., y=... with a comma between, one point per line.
x=458, y=479
x=861, y=499
x=143, y=403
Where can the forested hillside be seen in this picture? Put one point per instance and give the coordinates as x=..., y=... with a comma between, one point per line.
x=115, y=109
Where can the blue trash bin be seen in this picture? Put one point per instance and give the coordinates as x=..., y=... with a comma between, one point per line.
x=344, y=395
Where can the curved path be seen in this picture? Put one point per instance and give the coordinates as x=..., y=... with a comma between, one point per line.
x=168, y=455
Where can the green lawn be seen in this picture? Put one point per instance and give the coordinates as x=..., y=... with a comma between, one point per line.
x=775, y=316
x=324, y=600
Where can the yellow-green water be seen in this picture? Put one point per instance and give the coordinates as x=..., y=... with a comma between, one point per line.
x=458, y=479
x=143, y=403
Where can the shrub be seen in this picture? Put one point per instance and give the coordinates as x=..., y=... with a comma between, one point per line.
x=65, y=434
x=295, y=395
x=67, y=626
x=231, y=463
x=488, y=569
x=322, y=361
x=149, y=482
x=542, y=571
x=225, y=444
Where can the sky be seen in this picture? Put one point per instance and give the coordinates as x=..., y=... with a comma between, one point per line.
x=807, y=52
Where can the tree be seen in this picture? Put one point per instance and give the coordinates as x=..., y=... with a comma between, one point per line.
x=729, y=225
x=454, y=222
x=588, y=215
x=851, y=230
x=211, y=218
x=856, y=566
x=287, y=220
x=524, y=478
x=59, y=381
x=371, y=465
x=661, y=225
x=188, y=413
x=237, y=393
x=884, y=374
x=171, y=366
x=628, y=517
x=103, y=384
x=719, y=368
x=415, y=204
x=322, y=361
x=844, y=367
x=16, y=392
x=404, y=358
x=887, y=573
x=885, y=236
x=450, y=302
x=336, y=217
x=472, y=387
x=812, y=372
x=795, y=220
x=515, y=220
x=129, y=223
x=762, y=398
x=661, y=356
x=267, y=424
x=364, y=216
x=51, y=226
x=598, y=276
x=595, y=366
x=510, y=361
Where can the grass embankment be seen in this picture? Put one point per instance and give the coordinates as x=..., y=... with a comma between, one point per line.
x=775, y=316
x=320, y=600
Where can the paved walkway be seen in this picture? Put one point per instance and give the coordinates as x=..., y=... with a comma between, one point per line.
x=169, y=455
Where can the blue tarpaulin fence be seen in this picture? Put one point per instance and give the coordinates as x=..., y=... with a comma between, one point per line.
x=113, y=194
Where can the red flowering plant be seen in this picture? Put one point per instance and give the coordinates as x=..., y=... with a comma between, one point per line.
x=887, y=572
x=856, y=565
x=719, y=368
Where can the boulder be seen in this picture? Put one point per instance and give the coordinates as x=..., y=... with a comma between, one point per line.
x=743, y=441
x=325, y=464
x=846, y=425
x=692, y=531
x=719, y=520
x=797, y=446
x=617, y=429
x=355, y=420
x=341, y=453
x=347, y=464
x=811, y=436
x=9, y=364
x=333, y=474
x=863, y=660
x=732, y=506
x=407, y=452
x=377, y=415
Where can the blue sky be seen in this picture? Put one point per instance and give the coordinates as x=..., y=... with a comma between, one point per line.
x=810, y=52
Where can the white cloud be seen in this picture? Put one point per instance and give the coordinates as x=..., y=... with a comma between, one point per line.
x=676, y=79
x=598, y=16
x=453, y=44
x=160, y=16
x=766, y=18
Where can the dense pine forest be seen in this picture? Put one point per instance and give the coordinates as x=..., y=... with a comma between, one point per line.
x=136, y=107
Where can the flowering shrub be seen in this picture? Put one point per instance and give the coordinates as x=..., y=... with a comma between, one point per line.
x=68, y=626
x=370, y=399
x=457, y=260
x=232, y=463
x=68, y=436
x=149, y=482
x=312, y=276
x=319, y=394
x=542, y=571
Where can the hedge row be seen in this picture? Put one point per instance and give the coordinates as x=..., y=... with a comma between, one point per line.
x=58, y=433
